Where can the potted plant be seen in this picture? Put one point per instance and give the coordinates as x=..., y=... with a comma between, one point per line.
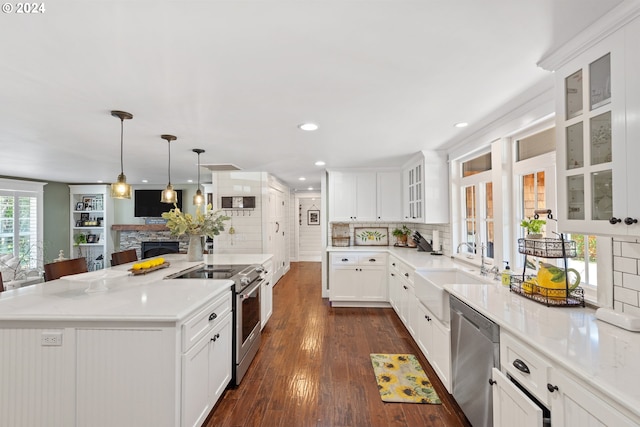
x=401, y=234
x=533, y=227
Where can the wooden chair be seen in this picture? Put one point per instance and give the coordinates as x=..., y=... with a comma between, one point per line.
x=1, y=284
x=56, y=270
x=123, y=257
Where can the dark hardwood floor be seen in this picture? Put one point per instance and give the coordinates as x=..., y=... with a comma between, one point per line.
x=313, y=367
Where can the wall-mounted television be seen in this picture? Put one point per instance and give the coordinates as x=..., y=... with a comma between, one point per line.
x=147, y=203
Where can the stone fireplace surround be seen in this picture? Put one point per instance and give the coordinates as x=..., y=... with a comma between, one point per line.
x=131, y=236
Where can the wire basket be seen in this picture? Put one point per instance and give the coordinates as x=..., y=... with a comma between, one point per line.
x=340, y=242
x=547, y=248
x=550, y=297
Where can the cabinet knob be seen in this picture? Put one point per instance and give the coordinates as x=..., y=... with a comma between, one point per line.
x=491, y=381
x=393, y=263
x=212, y=316
x=406, y=274
x=614, y=220
x=404, y=287
x=428, y=318
x=372, y=260
x=345, y=259
x=552, y=388
x=521, y=366
x=630, y=221
x=393, y=275
x=215, y=337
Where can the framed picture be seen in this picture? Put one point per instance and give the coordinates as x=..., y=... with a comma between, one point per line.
x=313, y=217
x=80, y=206
x=84, y=217
x=79, y=223
x=371, y=236
x=92, y=238
x=88, y=203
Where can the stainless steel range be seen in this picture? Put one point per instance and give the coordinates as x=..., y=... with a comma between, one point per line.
x=247, y=280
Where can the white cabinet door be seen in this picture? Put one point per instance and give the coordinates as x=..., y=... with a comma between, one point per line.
x=266, y=300
x=342, y=196
x=573, y=405
x=426, y=184
x=366, y=193
x=206, y=372
x=433, y=338
x=343, y=283
x=372, y=283
x=511, y=407
x=389, y=198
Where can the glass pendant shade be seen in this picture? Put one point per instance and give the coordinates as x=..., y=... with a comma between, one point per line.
x=169, y=195
x=198, y=199
x=120, y=189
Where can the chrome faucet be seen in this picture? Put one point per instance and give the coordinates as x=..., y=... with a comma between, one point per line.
x=483, y=267
x=467, y=244
x=496, y=273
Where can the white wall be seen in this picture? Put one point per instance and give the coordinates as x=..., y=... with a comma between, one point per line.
x=308, y=238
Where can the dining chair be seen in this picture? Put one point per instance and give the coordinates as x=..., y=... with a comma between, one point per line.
x=123, y=257
x=57, y=269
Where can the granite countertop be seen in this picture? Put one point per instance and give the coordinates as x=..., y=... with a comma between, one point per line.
x=147, y=297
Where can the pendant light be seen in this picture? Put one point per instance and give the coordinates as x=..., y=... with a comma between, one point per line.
x=198, y=199
x=120, y=189
x=169, y=195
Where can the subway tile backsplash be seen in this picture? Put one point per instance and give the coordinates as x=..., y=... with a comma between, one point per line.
x=626, y=275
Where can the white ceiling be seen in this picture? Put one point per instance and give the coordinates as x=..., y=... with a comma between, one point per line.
x=382, y=79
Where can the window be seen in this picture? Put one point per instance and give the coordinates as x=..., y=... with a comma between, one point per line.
x=585, y=262
x=20, y=221
x=477, y=206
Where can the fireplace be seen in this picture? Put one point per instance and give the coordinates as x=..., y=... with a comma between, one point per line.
x=159, y=247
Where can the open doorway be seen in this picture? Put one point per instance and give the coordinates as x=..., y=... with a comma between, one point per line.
x=308, y=234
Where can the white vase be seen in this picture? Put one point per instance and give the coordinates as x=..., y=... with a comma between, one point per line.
x=194, y=252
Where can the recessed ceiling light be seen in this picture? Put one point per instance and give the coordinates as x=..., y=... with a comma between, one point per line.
x=145, y=180
x=100, y=181
x=461, y=125
x=310, y=188
x=302, y=178
x=190, y=180
x=320, y=163
x=308, y=126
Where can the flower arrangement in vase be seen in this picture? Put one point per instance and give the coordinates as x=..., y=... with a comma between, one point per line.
x=208, y=223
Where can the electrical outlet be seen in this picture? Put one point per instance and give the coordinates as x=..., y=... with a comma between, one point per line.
x=51, y=338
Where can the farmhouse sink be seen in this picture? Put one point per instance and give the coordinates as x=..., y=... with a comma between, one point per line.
x=429, y=287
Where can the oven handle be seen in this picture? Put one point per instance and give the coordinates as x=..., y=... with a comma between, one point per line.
x=245, y=293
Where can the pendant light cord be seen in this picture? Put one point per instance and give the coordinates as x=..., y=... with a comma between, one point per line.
x=169, y=164
x=121, y=146
x=198, y=171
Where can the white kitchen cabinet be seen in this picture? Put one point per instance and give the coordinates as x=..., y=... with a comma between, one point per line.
x=266, y=295
x=598, y=101
x=433, y=338
x=358, y=279
x=511, y=407
x=91, y=208
x=426, y=188
x=206, y=372
x=574, y=405
x=389, y=196
x=402, y=288
x=352, y=196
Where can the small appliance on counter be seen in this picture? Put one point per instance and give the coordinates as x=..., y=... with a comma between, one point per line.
x=422, y=243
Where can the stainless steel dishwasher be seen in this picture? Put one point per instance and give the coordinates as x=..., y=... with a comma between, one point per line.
x=475, y=349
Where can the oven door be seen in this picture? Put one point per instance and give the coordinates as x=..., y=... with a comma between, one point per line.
x=248, y=325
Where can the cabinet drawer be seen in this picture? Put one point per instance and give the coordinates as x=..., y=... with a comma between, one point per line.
x=372, y=259
x=516, y=359
x=343, y=259
x=198, y=326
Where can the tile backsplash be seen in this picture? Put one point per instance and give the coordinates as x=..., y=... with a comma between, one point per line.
x=626, y=275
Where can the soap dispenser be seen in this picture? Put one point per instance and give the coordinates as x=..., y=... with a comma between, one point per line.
x=506, y=274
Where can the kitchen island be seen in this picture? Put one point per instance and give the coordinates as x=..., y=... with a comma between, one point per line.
x=108, y=348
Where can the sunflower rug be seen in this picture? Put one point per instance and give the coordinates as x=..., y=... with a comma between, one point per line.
x=401, y=379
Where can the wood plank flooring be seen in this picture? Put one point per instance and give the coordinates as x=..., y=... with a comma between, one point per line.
x=313, y=367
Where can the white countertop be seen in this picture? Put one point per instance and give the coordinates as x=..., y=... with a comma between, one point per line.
x=147, y=297
x=221, y=259
x=603, y=355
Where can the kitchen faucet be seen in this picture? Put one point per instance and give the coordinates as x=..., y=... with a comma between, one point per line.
x=483, y=267
x=467, y=244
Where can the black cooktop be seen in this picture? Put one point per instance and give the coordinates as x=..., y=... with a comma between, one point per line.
x=213, y=272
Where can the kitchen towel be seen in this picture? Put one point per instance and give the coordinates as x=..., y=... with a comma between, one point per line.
x=401, y=379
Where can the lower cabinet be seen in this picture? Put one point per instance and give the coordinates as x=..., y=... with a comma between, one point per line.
x=511, y=407
x=358, y=279
x=434, y=338
x=266, y=295
x=206, y=372
x=571, y=404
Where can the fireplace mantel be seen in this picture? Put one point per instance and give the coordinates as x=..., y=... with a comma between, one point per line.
x=139, y=227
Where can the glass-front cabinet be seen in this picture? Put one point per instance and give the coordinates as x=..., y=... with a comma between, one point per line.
x=593, y=157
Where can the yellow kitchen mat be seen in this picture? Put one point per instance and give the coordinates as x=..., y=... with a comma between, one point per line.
x=401, y=379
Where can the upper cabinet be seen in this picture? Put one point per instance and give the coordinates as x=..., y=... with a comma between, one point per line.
x=365, y=196
x=598, y=127
x=426, y=188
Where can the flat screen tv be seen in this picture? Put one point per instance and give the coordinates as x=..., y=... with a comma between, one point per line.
x=147, y=203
